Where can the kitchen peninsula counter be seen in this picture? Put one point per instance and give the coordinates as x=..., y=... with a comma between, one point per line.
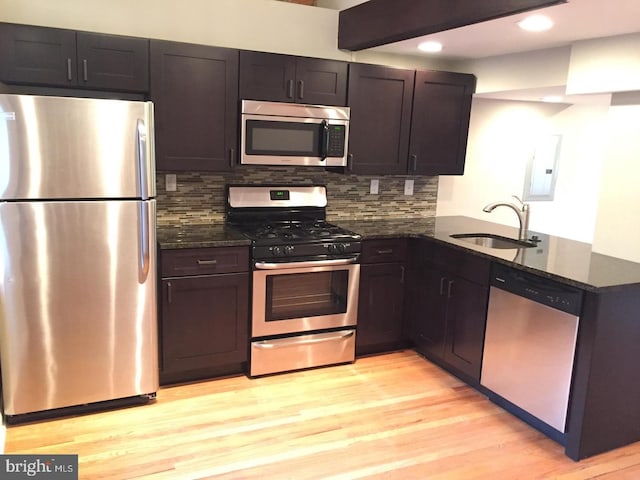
x=603, y=412
x=562, y=259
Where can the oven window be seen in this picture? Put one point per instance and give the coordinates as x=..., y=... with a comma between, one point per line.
x=282, y=138
x=306, y=294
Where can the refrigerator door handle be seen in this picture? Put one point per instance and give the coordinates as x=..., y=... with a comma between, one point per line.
x=143, y=239
x=141, y=135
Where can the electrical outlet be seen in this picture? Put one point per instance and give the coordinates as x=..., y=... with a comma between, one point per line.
x=408, y=186
x=374, y=186
x=170, y=182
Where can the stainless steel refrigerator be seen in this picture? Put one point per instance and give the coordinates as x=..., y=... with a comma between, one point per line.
x=78, y=318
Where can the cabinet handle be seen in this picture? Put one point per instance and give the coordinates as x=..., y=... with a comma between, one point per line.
x=232, y=157
x=414, y=163
x=301, y=89
x=207, y=262
x=85, y=76
x=384, y=252
x=350, y=162
x=169, y=292
x=401, y=273
x=450, y=289
x=290, y=89
x=442, y=279
x=69, y=73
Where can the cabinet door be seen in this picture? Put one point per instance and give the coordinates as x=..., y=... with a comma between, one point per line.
x=321, y=82
x=37, y=55
x=440, y=122
x=380, y=100
x=428, y=295
x=195, y=92
x=466, y=319
x=380, y=307
x=113, y=62
x=267, y=76
x=204, y=321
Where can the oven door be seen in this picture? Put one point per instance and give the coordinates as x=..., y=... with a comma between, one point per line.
x=298, y=297
x=273, y=140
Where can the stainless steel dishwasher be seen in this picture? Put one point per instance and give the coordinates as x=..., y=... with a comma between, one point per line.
x=530, y=340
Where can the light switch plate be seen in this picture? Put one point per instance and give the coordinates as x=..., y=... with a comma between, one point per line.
x=170, y=182
x=373, y=188
x=408, y=186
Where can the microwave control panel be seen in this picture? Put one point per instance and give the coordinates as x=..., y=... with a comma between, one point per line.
x=337, y=134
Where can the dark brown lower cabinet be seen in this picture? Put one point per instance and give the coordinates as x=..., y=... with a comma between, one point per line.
x=204, y=321
x=380, y=308
x=381, y=298
x=446, y=307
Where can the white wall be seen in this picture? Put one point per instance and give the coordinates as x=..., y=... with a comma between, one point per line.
x=605, y=65
x=617, y=230
x=540, y=68
x=502, y=139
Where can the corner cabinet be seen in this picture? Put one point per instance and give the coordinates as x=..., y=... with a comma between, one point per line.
x=381, y=296
x=31, y=55
x=204, y=312
x=447, y=300
x=407, y=122
x=286, y=78
x=195, y=92
x=440, y=122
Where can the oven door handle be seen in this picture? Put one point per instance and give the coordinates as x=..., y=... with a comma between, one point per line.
x=285, y=342
x=312, y=263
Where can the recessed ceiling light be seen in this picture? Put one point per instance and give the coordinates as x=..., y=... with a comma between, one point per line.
x=430, y=46
x=536, y=23
x=552, y=99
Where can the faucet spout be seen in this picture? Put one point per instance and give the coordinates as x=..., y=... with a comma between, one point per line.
x=522, y=212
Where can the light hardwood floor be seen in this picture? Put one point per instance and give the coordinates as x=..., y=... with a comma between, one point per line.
x=393, y=416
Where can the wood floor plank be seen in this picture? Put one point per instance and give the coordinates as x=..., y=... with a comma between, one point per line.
x=393, y=416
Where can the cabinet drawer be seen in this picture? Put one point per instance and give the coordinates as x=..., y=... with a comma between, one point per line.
x=203, y=261
x=384, y=250
x=457, y=262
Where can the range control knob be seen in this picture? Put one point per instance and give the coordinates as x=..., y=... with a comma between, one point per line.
x=336, y=248
x=276, y=251
x=288, y=249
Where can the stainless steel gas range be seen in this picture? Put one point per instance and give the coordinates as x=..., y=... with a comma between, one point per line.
x=305, y=277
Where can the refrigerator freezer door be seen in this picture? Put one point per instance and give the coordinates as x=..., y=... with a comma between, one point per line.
x=78, y=319
x=75, y=148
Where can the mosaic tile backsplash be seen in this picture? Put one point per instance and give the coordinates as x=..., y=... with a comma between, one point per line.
x=200, y=197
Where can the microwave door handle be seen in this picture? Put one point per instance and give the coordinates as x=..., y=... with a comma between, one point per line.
x=325, y=140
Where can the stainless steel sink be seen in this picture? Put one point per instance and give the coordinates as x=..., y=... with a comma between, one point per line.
x=492, y=241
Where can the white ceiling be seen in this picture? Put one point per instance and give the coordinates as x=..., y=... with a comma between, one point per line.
x=575, y=20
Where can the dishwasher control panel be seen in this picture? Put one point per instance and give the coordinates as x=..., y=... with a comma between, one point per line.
x=540, y=289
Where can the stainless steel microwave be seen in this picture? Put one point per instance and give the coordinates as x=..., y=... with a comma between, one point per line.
x=274, y=133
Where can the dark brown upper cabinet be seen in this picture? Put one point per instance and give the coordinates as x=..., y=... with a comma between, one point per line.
x=55, y=57
x=407, y=122
x=440, y=122
x=285, y=78
x=380, y=99
x=195, y=92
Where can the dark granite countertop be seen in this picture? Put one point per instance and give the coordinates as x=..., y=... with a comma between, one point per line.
x=199, y=236
x=566, y=260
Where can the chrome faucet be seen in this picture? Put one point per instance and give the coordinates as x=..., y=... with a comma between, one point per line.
x=522, y=212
